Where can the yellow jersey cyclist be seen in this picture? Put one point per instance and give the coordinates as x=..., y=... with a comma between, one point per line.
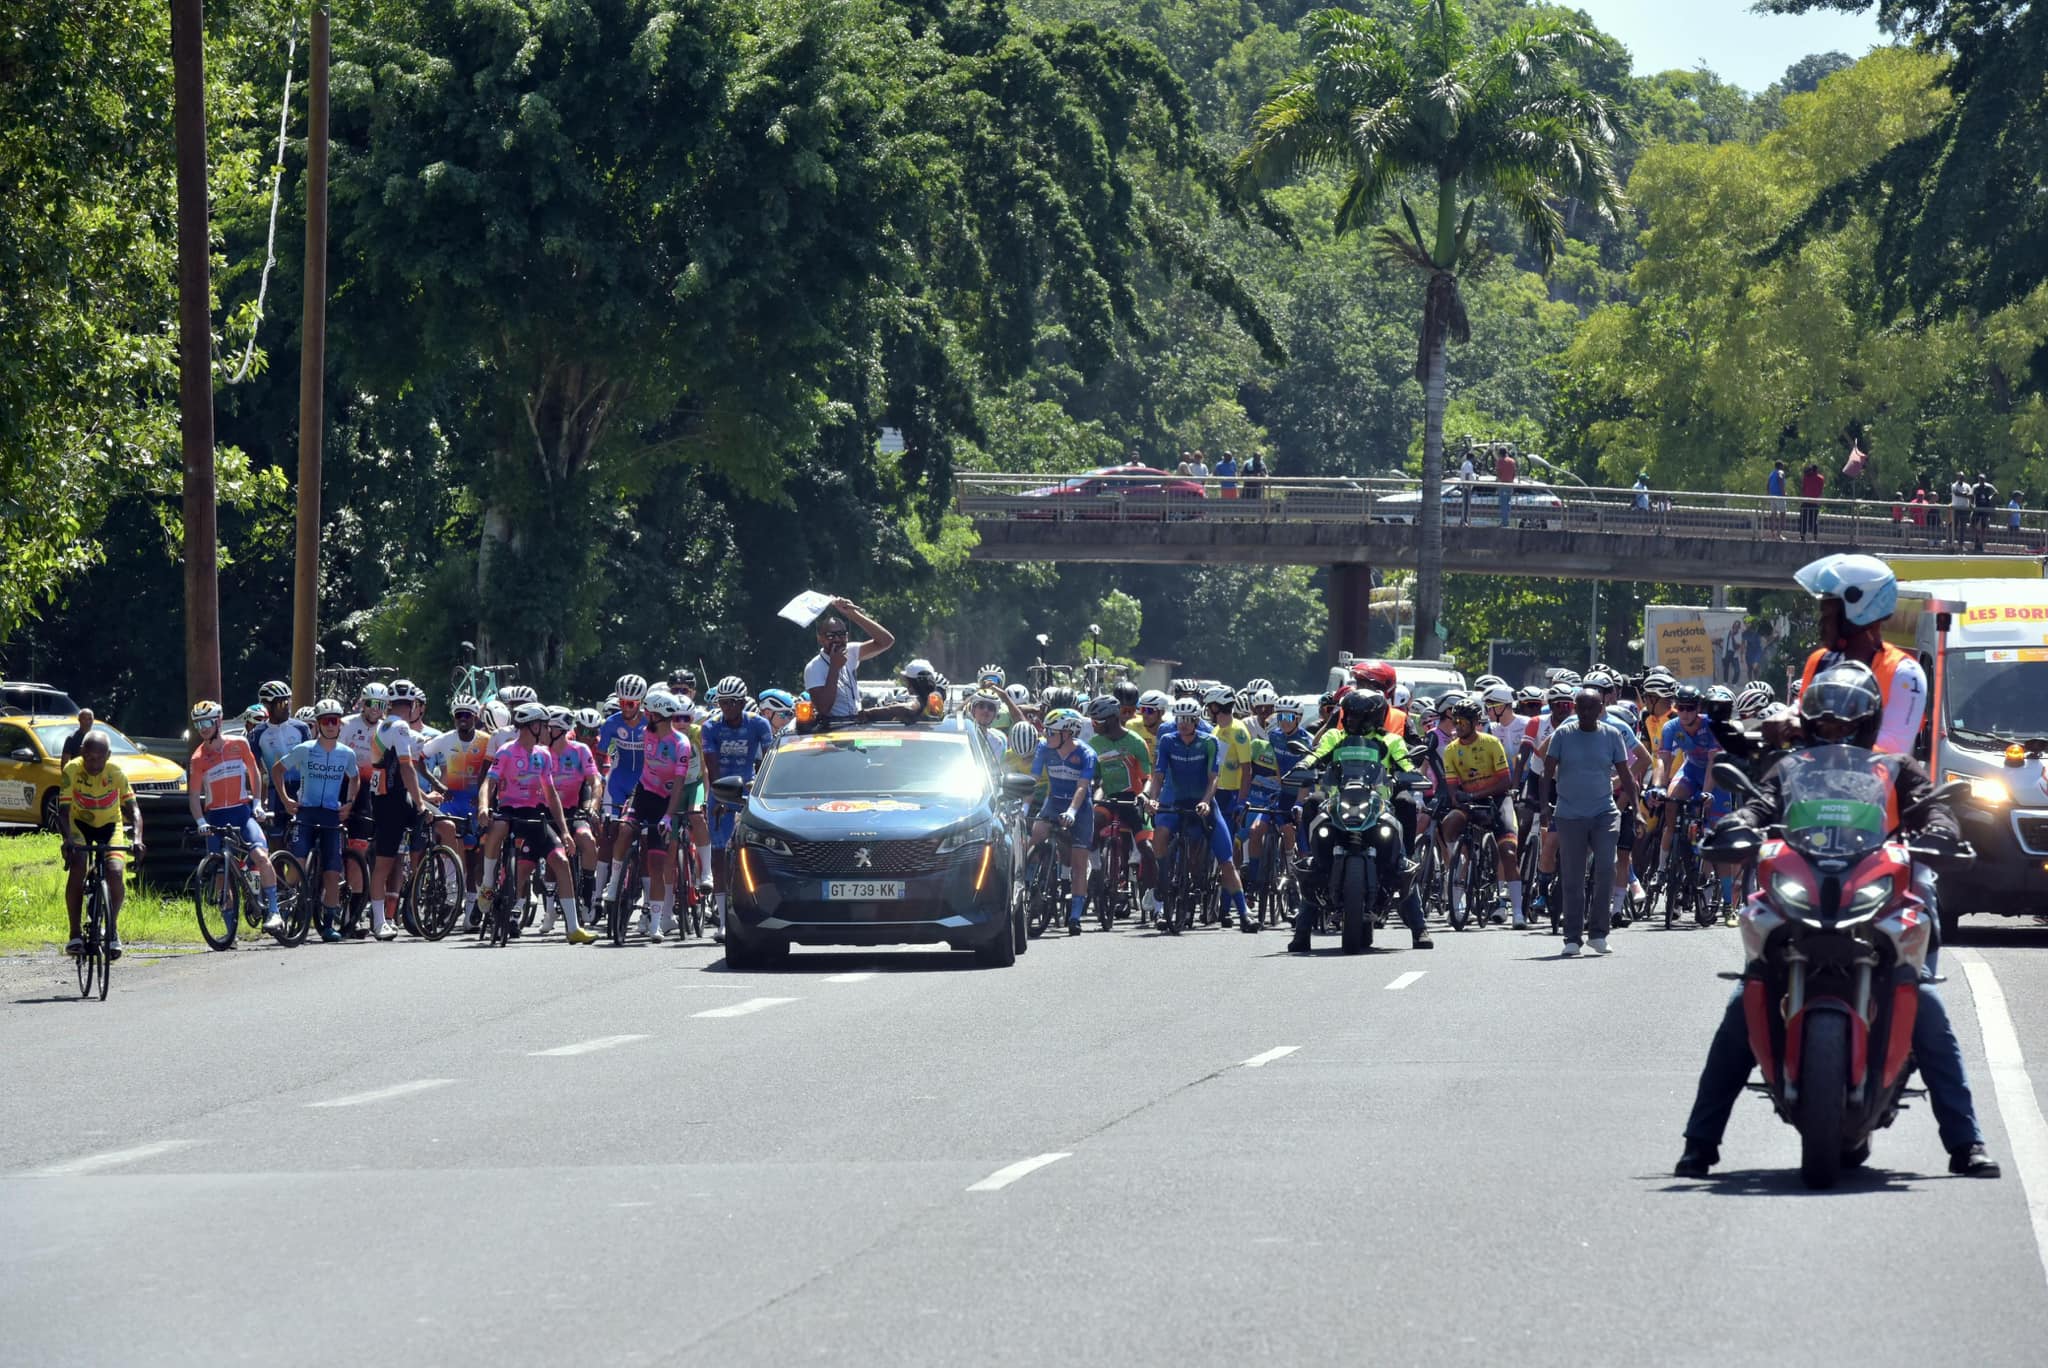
x=1476, y=769
x=92, y=797
x=1234, y=745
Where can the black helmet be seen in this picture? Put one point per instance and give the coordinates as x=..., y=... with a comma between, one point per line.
x=1059, y=696
x=1363, y=710
x=1684, y=694
x=1125, y=693
x=1842, y=705
x=1466, y=707
x=1720, y=703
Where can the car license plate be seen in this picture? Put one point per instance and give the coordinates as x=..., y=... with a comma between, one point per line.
x=863, y=890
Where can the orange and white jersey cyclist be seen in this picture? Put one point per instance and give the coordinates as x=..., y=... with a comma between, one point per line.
x=225, y=787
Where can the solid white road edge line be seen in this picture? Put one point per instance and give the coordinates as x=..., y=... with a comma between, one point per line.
x=1003, y=1177
x=584, y=1046
x=744, y=1008
x=93, y=1163
x=384, y=1094
x=1260, y=1061
x=848, y=978
x=2025, y=1129
x=1402, y=982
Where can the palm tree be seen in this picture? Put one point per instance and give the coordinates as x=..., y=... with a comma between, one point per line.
x=1426, y=107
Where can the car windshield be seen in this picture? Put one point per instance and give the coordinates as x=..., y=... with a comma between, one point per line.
x=52, y=736
x=871, y=766
x=1997, y=695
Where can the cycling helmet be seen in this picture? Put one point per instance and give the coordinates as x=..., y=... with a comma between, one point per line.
x=1487, y=681
x=1254, y=685
x=683, y=675
x=1447, y=700
x=305, y=714
x=254, y=714
x=273, y=691
x=1497, y=694
x=589, y=719
x=375, y=695
x=1602, y=667
x=497, y=714
x=1530, y=697
x=1753, y=702
x=526, y=714
x=206, y=713
x=732, y=686
x=1019, y=695
x=662, y=703
x=1686, y=693
x=1464, y=707
x=1758, y=686
x=1626, y=712
x=611, y=704
x=1842, y=705
x=1400, y=695
x=1218, y=696
x=1559, y=692
x=465, y=703
x=1154, y=700
x=325, y=708
x=1104, y=709
x=1601, y=680
x=631, y=688
x=1363, y=710
x=1570, y=677
x=1059, y=696
x=1241, y=702
x=561, y=719
x=1720, y=703
x=518, y=694
x=1063, y=720
x=778, y=698
x=1186, y=707
x=1265, y=698
x=1125, y=693
x=1866, y=586
x=991, y=674
x=1023, y=738
x=405, y=691
x=1660, y=684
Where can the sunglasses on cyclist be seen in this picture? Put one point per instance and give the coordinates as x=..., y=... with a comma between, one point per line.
x=329, y=721
x=1152, y=712
x=1688, y=707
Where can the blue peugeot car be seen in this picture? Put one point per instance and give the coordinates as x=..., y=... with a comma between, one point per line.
x=874, y=834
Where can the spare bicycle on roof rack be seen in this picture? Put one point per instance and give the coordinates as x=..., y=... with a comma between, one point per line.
x=480, y=682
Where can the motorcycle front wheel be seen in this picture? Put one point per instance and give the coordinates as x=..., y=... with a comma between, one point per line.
x=1823, y=1107
x=1352, y=894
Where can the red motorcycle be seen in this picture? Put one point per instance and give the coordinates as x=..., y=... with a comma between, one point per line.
x=1833, y=942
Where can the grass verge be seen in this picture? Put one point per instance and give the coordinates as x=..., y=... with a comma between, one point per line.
x=32, y=901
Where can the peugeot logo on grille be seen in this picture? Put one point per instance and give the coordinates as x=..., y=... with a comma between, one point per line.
x=863, y=858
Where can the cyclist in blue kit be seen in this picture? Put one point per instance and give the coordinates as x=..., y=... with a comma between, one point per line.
x=620, y=743
x=328, y=777
x=1686, y=752
x=1185, y=771
x=734, y=743
x=1068, y=768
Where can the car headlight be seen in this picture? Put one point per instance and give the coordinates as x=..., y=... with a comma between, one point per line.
x=1870, y=897
x=963, y=838
x=1985, y=789
x=761, y=840
x=1789, y=892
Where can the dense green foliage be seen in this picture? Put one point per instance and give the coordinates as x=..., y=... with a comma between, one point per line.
x=624, y=293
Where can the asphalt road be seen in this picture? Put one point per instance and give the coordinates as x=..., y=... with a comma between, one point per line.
x=449, y=1154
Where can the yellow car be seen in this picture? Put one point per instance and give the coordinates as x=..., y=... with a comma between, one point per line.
x=30, y=769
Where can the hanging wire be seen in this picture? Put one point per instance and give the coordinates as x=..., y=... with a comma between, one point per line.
x=284, y=115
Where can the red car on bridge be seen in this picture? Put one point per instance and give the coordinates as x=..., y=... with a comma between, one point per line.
x=1109, y=492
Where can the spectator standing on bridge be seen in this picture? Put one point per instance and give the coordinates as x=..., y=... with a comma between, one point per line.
x=1198, y=468
x=1775, y=487
x=1467, y=473
x=1959, y=495
x=1504, y=475
x=1186, y=466
x=1983, y=498
x=1812, y=484
x=1254, y=472
x=1226, y=475
x=1898, y=515
x=2013, y=506
x=1917, y=510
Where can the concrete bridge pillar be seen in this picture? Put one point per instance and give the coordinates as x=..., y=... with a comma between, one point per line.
x=1350, y=609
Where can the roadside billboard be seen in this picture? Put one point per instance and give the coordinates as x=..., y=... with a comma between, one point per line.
x=1702, y=646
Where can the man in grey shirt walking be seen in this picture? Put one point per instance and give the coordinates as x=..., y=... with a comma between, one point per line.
x=1584, y=767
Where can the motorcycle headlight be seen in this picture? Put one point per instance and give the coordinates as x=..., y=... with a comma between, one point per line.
x=1870, y=897
x=963, y=838
x=761, y=840
x=1789, y=892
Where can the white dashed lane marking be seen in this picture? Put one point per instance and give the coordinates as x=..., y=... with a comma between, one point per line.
x=1003, y=1177
x=418, y=1085
x=2026, y=1131
x=586, y=1046
x=1402, y=982
x=1260, y=1061
x=747, y=1008
x=848, y=978
x=93, y=1163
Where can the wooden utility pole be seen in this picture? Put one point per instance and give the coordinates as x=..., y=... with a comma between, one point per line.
x=195, y=351
x=312, y=377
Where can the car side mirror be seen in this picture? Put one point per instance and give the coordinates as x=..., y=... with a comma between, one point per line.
x=1019, y=785
x=23, y=754
x=730, y=788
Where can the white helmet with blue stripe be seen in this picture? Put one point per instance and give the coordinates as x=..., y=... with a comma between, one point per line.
x=1867, y=587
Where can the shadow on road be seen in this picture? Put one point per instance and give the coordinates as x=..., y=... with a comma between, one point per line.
x=1785, y=1182
x=800, y=962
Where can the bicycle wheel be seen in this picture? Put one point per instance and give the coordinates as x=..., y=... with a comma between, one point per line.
x=1099, y=886
x=619, y=910
x=355, y=893
x=437, y=892
x=216, y=901
x=1428, y=883
x=295, y=903
x=1479, y=880
x=87, y=960
x=1457, y=869
x=1044, y=883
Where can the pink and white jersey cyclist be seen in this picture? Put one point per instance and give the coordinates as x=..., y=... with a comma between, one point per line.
x=521, y=773
x=665, y=761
